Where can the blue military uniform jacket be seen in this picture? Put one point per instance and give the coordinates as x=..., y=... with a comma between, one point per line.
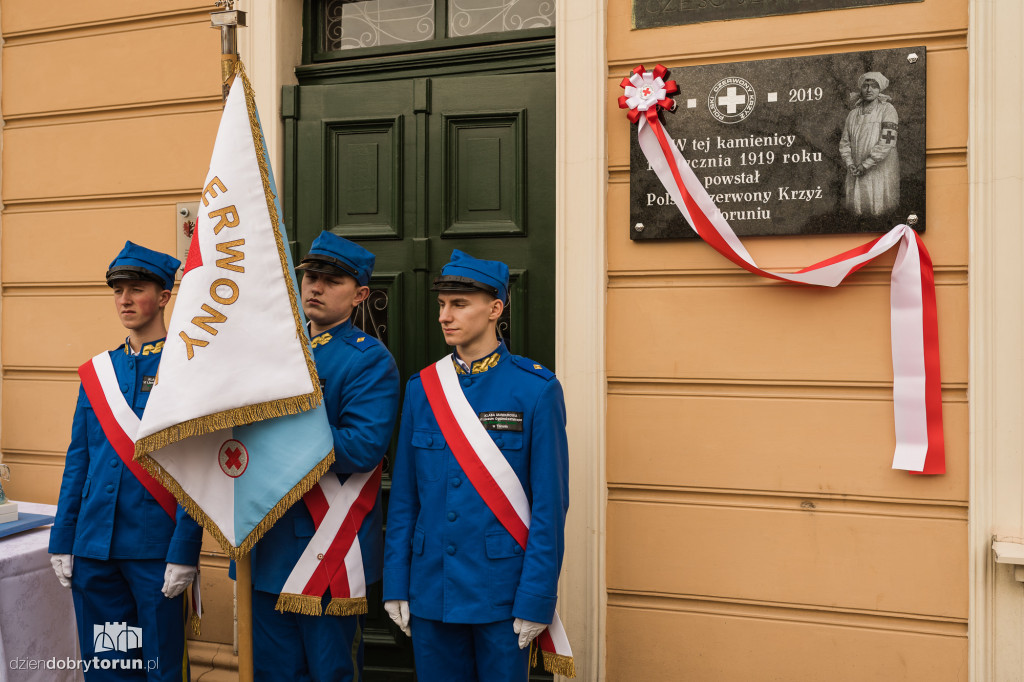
x=360, y=384
x=446, y=553
x=103, y=511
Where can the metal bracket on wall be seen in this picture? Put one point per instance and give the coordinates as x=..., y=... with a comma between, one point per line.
x=186, y=216
x=1010, y=551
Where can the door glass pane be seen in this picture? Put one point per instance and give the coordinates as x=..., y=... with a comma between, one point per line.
x=368, y=23
x=473, y=17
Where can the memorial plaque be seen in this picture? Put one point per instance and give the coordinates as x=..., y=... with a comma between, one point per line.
x=651, y=13
x=808, y=145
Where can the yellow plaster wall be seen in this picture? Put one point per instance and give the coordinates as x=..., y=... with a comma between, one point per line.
x=754, y=528
x=110, y=109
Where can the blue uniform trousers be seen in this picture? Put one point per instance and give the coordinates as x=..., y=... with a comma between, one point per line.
x=299, y=648
x=127, y=592
x=478, y=652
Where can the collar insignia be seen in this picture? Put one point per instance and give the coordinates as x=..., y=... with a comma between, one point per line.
x=322, y=339
x=148, y=349
x=152, y=348
x=480, y=366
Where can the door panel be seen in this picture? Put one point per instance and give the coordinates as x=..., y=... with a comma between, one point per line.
x=482, y=166
x=495, y=179
x=363, y=162
x=412, y=169
x=351, y=169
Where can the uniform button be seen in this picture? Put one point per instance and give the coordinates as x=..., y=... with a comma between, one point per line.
x=131, y=364
x=500, y=442
x=124, y=388
x=430, y=440
x=517, y=550
x=456, y=482
x=110, y=488
x=452, y=516
x=450, y=549
x=113, y=463
x=466, y=381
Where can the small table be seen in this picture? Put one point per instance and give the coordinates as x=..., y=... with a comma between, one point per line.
x=37, y=616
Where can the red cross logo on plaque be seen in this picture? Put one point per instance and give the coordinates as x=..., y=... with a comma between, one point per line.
x=233, y=458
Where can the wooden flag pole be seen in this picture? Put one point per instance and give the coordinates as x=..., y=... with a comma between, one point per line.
x=243, y=591
x=228, y=20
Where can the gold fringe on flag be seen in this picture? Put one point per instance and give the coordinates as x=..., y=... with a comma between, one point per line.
x=352, y=606
x=557, y=664
x=260, y=146
x=249, y=414
x=305, y=604
x=237, y=416
x=275, y=513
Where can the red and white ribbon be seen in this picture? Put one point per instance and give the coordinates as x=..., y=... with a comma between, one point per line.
x=119, y=423
x=333, y=559
x=917, y=387
x=493, y=478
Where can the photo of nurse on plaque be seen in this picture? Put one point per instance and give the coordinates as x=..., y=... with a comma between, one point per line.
x=868, y=148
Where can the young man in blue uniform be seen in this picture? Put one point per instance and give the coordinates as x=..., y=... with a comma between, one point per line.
x=361, y=387
x=472, y=595
x=126, y=559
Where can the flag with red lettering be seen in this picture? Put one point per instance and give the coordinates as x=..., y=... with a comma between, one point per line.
x=235, y=426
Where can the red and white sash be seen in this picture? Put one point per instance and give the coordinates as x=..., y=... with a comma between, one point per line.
x=120, y=425
x=333, y=559
x=494, y=479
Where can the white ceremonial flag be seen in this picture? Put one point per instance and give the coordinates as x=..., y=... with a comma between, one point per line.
x=235, y=427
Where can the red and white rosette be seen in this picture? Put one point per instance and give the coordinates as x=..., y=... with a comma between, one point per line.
x=646, y=91
x=917, y=386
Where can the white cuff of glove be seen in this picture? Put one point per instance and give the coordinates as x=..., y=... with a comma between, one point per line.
x=176, y=579
x=63, y=564
x=527, y=631
x=398, y=609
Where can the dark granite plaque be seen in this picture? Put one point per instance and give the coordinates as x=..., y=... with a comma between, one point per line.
x=651, y=13
x=794, y=146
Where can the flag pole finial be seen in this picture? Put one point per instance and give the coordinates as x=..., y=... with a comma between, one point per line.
x=227, y=19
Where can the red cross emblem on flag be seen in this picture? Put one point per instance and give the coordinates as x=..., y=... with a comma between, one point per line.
x=233, y=458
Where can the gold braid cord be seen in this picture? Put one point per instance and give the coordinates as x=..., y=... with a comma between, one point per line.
x=247, y=414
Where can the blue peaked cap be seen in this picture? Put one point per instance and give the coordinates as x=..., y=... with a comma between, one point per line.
x=333, y=254
x=138, y=262
x=466, y=273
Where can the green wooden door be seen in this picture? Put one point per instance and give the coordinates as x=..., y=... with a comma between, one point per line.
x=412, y=169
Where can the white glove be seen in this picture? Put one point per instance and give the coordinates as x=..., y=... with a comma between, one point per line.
x=62, y=566
x=527, y=630
x=176, y=579
x=398, y=609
